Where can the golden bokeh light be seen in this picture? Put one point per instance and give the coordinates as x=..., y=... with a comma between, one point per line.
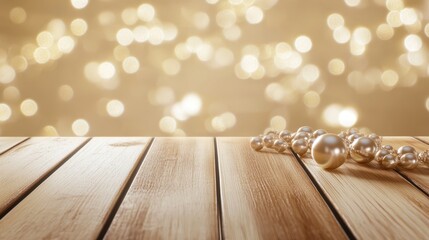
x=18, y=15
x=213, y=67
x=115, y=108
x=79, y=4
x=80, y=127
x=29, y=107
x=5, y=112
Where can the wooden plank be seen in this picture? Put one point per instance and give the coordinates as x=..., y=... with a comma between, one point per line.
x=267, y=195
x=173, y=195
x=375, y=203
x=7, y=143
x=426, y=139
x=420, y=175
x=24, y=166
x=75, y=201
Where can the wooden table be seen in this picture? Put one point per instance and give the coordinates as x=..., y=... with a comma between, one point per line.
x=200, y=188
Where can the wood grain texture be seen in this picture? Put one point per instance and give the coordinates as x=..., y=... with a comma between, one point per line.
x=426, y=139
x=420, y=175
x=375, y=203
x=25, y=164
x=173, y=195
x=75, y=201
x=266, y=195
x=7, y=143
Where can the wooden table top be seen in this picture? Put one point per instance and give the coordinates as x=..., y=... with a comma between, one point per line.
x=200, y=188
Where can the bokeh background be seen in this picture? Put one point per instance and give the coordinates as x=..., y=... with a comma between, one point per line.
x=213, y=67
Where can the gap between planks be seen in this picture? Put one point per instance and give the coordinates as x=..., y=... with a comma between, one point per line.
x=122, y=195
x=218, y=192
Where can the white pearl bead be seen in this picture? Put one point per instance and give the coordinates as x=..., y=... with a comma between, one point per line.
x=256, y=143
x=300, y=146
x=286, y=136
x=305, y=129
x=329, y=151
x=408, y=161
x=268, y=140
x=389, y=161
x=279, y=145
x=363, y=150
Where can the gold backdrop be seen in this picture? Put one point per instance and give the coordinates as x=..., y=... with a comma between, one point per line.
x=213, y=67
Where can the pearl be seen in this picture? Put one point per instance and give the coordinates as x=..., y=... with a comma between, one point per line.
x=351, y=131
x=319, y=132
x=343, y=135
x=268, y=140
x=380, y=155
x=389, y=161
x=388, y=148
x=408, y=161
x=300, y=146
x=423, y=157
x=302, y=135
x=406, y=149
x=329, y=151
x=354, y=136
x=310, y=142
x=286, y=136
x=256, y=143
x=377, y=139
x=363, y=150
x=306, y=129
x=279, y=145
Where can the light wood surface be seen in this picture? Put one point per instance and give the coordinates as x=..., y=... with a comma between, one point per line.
x=199, y=188
x=375, y=203
x=173, y=195
x=8, y=142
x=23, y=166
x=420, y=175
x=75, y=201
x=269, y=196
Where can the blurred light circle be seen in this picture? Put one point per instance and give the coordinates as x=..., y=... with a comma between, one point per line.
x=408, y=16
x=311, y=99
x=341, y=35
x=80, y=127
x=115, y=108
x=29, y=107
x=7, y=74
x=106, y=70
x=130, y=65
x=303, y=44
x=413, y=43
x=66, y=44
x=254, y=15
x=348, y=117
x=79, y=4
x=384, y=31
x=146, y=12
x=5, y=112
x=336, y=66
x=78, y=27
x=335, y=21
x=18, y=15
x=168, y=124
x=124, y=36
x=45, y=39
x=249, y=63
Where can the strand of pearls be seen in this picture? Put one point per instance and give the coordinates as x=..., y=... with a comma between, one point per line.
x=331, y=150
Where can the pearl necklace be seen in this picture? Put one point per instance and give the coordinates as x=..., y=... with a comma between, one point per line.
x=331, y=150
